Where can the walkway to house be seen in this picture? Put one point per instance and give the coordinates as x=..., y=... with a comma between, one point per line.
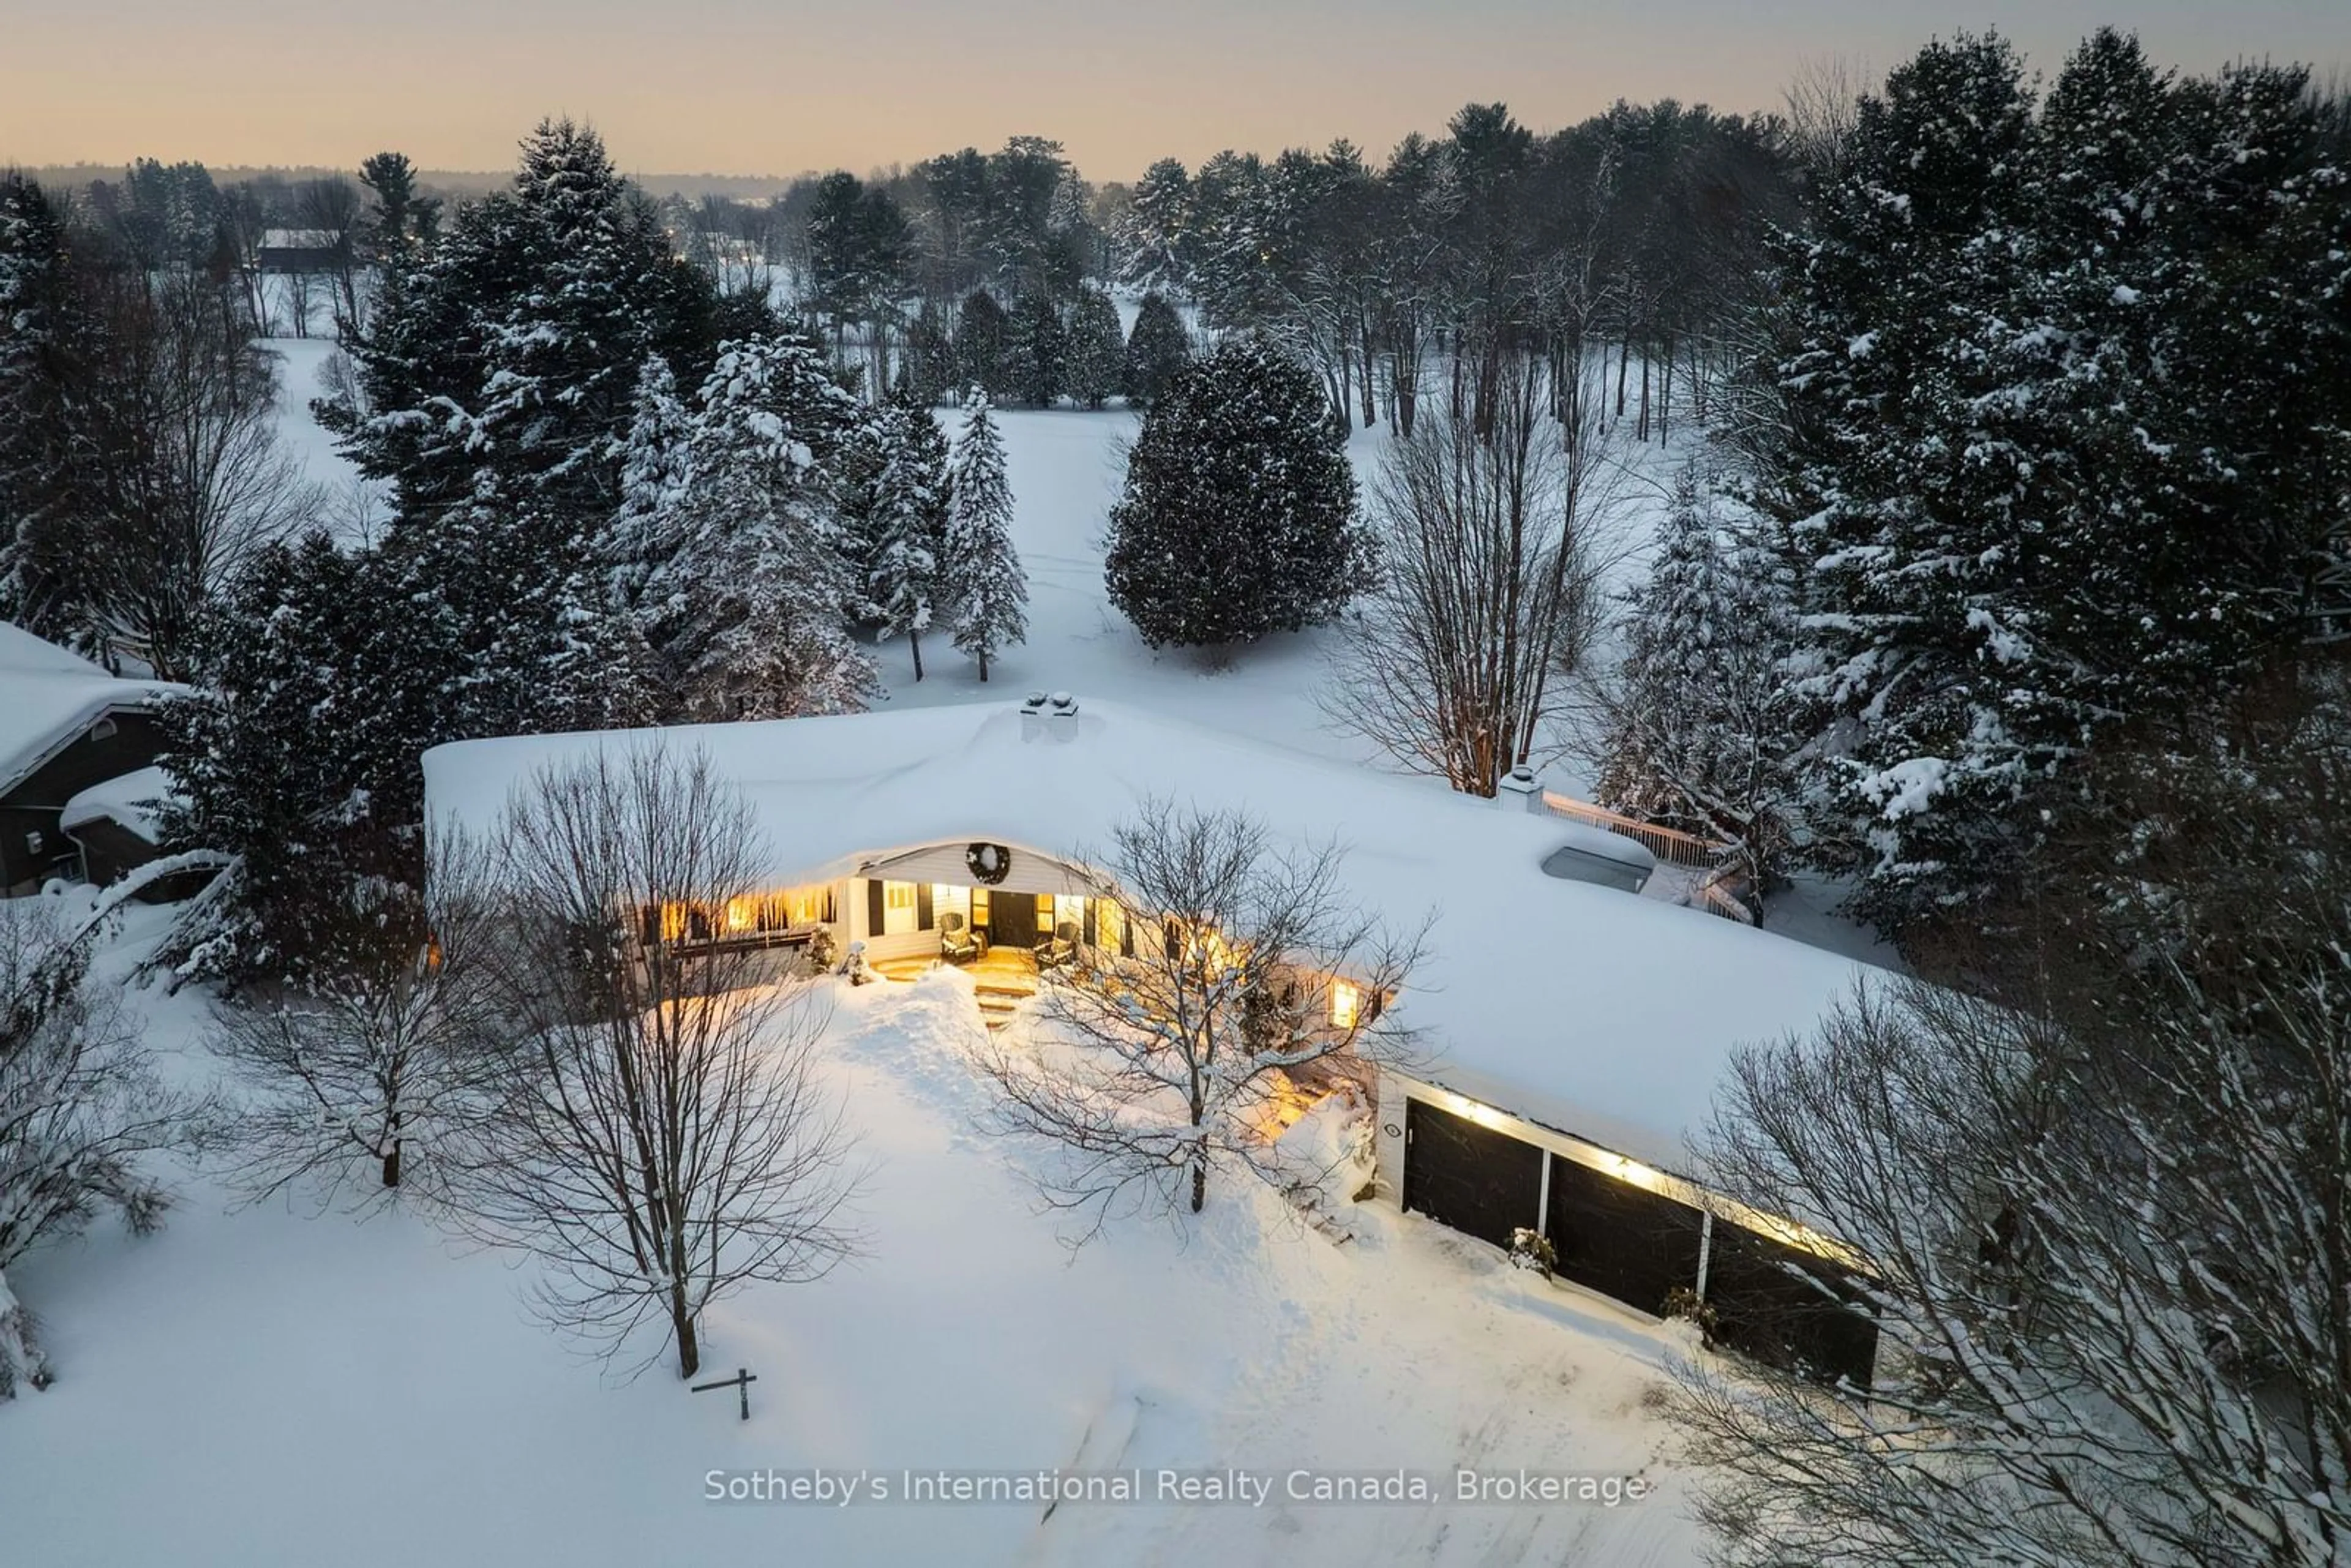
x=1004, y=977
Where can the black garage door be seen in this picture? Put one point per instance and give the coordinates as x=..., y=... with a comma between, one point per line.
x=1619, y=1240
x=1786, y=1306
x=1470, y=1178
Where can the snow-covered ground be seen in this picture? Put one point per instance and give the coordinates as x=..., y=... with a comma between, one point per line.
x=263, y=1385
x=266, y=1384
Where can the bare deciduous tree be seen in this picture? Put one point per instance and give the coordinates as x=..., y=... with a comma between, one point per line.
x=194, y=483
x=1494, y=547
x=332, y=212
x=1823, y=107
x=1251, y=968
x=368, y=1085
x=2108, y=1212
x=80, y=1108
x=663, y=1138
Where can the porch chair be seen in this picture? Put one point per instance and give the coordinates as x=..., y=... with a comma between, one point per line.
x=1060, y=948
x=957, y=944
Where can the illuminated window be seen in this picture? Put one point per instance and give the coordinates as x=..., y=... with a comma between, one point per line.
x=1347, y=1005
x=1110, y=925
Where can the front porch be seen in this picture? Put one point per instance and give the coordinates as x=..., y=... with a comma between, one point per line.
x=1004, y=977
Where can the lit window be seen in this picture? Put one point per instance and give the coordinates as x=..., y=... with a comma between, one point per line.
x=1346, y=1004
x=1110, y=925
x=897, y=908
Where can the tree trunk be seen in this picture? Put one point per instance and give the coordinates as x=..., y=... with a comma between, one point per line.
x=391, y=1156
x=914, y=643
x=1666, y=397
x=983, y=667
x=689, y=1349
x=1643, y=431
x=1624, y=362
x=1200, y=1184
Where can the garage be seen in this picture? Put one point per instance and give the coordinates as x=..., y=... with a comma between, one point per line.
x=1622, y=1229
x=1628, y=1243
x=1475, y=1178
x=1787, y=1306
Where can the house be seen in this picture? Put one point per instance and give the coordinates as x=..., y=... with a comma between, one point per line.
x=301, y=250
x=1581, y=1031
x=65, y=725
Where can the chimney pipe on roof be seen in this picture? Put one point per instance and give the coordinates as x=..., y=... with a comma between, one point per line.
x=1032, y=716
x=1520, y=789
x=1062, y=717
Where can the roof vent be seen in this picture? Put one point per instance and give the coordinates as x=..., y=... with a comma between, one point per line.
x=1061, y=722
x=1032, y=716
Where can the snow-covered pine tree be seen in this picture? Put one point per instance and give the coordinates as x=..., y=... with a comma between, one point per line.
x=506, y=357
x=983, y=588
x=742, y=593
x=1097, y=349
x=1696, y=731
x=983, y=344
x=1909, y=496
x=2044, y=478
x=498, y=376
x=1156, y=351
x=1038, y=354
x=909, y=519
x=1238, y=515
x=1153, y=240
x=651, y=465
x=330, y=675
x=42, y=336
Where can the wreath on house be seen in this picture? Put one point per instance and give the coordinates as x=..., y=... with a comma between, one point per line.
x=990, y=863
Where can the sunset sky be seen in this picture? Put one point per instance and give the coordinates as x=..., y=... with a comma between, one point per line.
x=742, y=86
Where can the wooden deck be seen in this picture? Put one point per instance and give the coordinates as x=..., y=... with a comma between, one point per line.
x=1003, y=976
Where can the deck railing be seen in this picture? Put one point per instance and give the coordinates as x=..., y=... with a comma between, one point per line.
x=1669, y=844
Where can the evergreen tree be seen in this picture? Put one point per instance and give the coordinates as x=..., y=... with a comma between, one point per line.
x=1156, y=240
x=503, y=361
x=2040, y=478
x=1097, y=352
x=43, y=334
x=983, y=587
x=498, y=381
x=1238, y=515
x=982, y=344
x=298, y=756
x=729, y=545
x=1156, y=351
x=909, y=520
x=1039, y=355
x=1697, y=731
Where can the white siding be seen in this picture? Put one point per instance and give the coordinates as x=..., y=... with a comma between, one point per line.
x=1030, y=872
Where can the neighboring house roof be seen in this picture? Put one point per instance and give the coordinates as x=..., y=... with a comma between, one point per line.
x=134, y=801
x=1610, y=1015
x=49, y=696
x=300, y=239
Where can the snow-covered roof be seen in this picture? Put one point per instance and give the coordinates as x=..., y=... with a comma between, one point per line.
x=1608, y=1015
x=300, y=239
x=48, y=695
x=134, y=801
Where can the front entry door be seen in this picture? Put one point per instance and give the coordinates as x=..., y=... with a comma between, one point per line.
x=1012, y=919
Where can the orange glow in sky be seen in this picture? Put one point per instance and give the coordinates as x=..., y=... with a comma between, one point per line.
x=730, y=86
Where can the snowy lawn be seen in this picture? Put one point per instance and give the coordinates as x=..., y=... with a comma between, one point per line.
x=263, y=1385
